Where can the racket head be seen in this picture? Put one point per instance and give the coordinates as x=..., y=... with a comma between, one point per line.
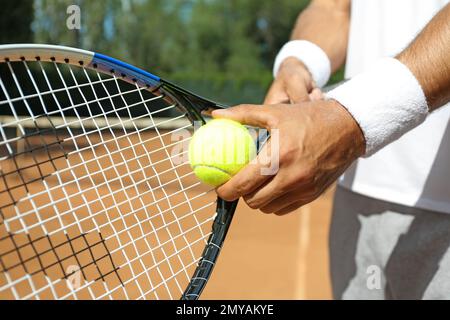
x=83, y=116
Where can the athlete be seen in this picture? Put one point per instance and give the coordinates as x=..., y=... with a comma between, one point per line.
x=387, y=128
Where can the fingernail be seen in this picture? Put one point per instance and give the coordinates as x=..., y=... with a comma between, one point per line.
x=219, y=113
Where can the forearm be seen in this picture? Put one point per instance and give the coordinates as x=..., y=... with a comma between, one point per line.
x=326, y=24
x=428, y=58
x=396, y=95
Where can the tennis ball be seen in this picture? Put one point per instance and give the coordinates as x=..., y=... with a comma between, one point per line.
x=219, y=149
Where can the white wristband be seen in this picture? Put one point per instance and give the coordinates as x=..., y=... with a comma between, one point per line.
x=386, y=101
x=312, y=56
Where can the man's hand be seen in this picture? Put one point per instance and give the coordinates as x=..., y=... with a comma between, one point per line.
x=326, y=24
x=317, y=142
x=293, y=84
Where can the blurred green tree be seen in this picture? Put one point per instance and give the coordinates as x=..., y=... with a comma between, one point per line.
x=15, y=24
x=222, y=49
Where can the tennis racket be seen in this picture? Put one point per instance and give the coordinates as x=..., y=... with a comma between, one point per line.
x=97, y=200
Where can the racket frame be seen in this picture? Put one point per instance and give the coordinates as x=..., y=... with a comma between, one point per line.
x=194, y=105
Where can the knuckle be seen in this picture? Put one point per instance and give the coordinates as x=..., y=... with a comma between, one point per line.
x=266, y=210
x=252, y=204
x=280, y=187
x=307, y=176
x=284, y=189
x=272, y=120
x=290, y=151
x=243, y=187
x=273, y=123
x=288, y=154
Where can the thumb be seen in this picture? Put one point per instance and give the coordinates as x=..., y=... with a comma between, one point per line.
x=252, y=115
x=276, y=94
x=316, y=94
x=297, y=93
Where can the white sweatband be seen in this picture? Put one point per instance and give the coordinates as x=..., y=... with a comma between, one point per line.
x=386, y=101
x=312, y=56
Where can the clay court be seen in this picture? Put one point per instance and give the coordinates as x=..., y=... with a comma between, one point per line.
x=112, y=196
x=270, y=257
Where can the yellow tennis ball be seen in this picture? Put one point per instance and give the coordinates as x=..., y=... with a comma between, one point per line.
x=219, y=149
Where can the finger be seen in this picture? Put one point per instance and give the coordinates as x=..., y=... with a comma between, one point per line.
x=316, y=94
x=249, y=178
x=280, y=191
x=284, y=201
x=297, y=92
x=279, y=204
x=245, y=181
x=290, y=208
x=252, y=115
x=276, y=94
x=269, y=193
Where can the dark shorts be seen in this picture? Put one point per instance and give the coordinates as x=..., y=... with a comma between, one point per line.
x=381, y=250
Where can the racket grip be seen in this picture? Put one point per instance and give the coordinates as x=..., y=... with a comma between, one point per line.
x=225, y=211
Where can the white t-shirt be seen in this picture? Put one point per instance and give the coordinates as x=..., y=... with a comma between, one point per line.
x=414, y=170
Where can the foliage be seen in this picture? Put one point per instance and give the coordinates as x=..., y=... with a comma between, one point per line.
x=222, y=49
x=16, y=20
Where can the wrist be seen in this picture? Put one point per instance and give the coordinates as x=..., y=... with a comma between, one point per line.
x=295, y=69
x=312, y=56
x=386, y=101
x=350, y=129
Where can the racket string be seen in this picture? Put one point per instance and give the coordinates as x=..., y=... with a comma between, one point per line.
x=134, y=182
x=81, y=177
x=114, y=145
x=87, y=189
x=170, y=204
